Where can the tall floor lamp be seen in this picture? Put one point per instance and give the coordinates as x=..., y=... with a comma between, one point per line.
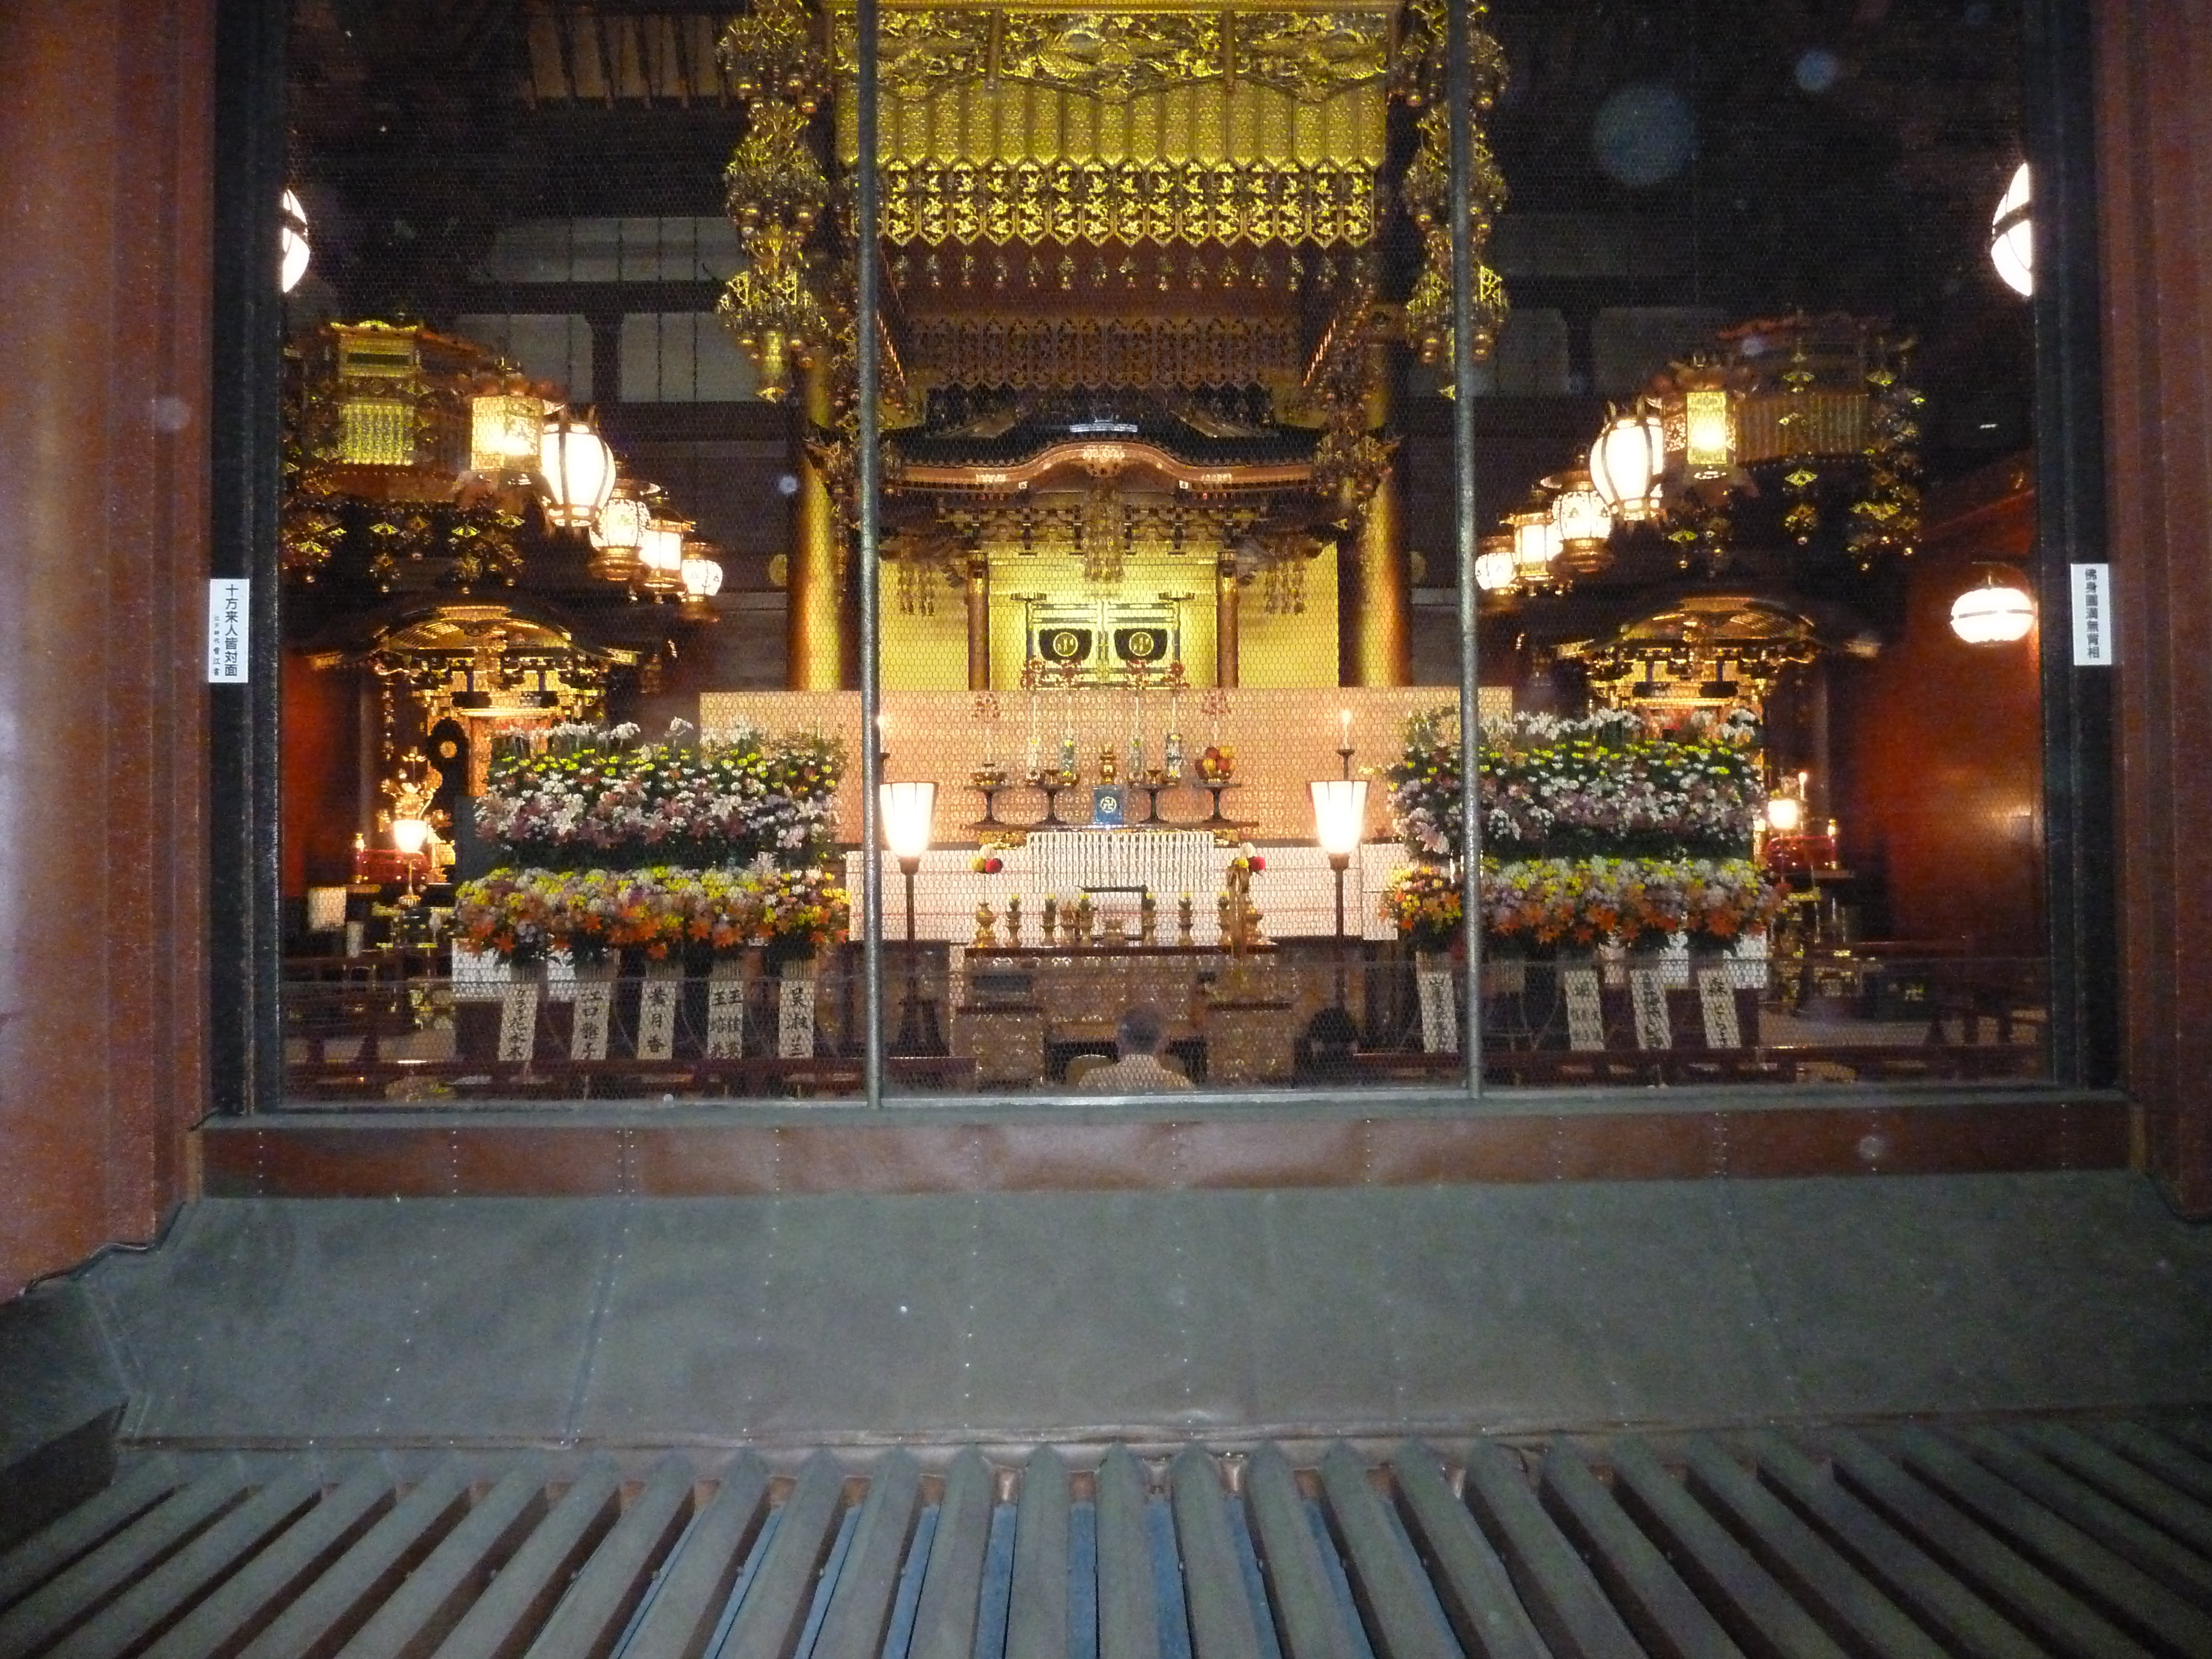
x=1340, y=810
x=906, y=810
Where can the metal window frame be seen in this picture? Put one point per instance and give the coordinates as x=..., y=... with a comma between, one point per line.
x=244, y=1037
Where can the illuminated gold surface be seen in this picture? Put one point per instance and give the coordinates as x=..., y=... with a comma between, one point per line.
x=1377, y=649
x=814, y=627
x=1152, y=568
x=1280, y=648
x=1023, y=124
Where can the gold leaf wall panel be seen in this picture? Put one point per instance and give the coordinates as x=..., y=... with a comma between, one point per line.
x=1151, y=569
x=1284, y=646
x=926, y=651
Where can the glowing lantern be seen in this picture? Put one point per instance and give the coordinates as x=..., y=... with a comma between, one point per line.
x=1708, y=432
x=1493, y=563
x=2012, y=236
x=702, y=580
x=505, y=434
x=1626, y=464
x=578, y=470
x=619, y=534
x=1583, y=523
x=293, y=242
x=1536, y=541
x=1995, y=613
x=661, y=555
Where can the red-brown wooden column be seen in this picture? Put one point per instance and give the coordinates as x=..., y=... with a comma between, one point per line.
x=105, y=182
x=2155, y=143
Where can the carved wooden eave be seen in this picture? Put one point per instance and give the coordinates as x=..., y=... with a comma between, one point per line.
x=1134, y=465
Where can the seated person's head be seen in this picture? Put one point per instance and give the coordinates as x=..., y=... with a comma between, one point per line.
x=1141, y=1031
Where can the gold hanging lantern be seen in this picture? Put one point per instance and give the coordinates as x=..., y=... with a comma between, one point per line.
x=1582, y=523
x=660, y=556
x=1708, y=432
x=618, y=534
x=702, y=580
x=507, y=424
x=1535, y=542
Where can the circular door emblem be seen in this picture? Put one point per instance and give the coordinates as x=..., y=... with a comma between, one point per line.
x=1066, y=643
x=1143, y=644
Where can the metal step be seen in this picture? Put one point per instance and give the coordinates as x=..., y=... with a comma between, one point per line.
x=2088, y=1537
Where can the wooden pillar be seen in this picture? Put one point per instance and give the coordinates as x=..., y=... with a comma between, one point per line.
x=817, y=637
x=2154, y=170
x=979, y=622
x=1224, y=626
x=105, y=240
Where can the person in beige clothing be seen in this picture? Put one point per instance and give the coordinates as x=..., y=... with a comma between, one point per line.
x=1138, y=1039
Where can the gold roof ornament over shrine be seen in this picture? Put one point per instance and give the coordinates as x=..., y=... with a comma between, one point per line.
x=1151, y=169
x=1026, y=124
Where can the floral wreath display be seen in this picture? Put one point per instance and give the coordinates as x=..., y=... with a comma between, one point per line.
x=592, y=798
x=1611, y=828
x=678, y=850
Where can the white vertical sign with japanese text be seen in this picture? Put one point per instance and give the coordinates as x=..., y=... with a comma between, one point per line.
x=226, y=635
x=2092, y=616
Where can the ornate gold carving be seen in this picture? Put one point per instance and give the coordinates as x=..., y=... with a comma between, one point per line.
x=771, y=52
x=1031, y=202
x=918, y=52
x=1313, y=57
x=1064, y=354
x=776, y=191
x=1113, y=56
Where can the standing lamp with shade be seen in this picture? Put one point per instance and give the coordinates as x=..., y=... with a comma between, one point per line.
x=906, y=810
x=1340, y=810
x=411, y=836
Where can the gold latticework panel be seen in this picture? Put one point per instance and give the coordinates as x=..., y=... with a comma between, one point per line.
x=1178, y=200
x=1066, y=354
